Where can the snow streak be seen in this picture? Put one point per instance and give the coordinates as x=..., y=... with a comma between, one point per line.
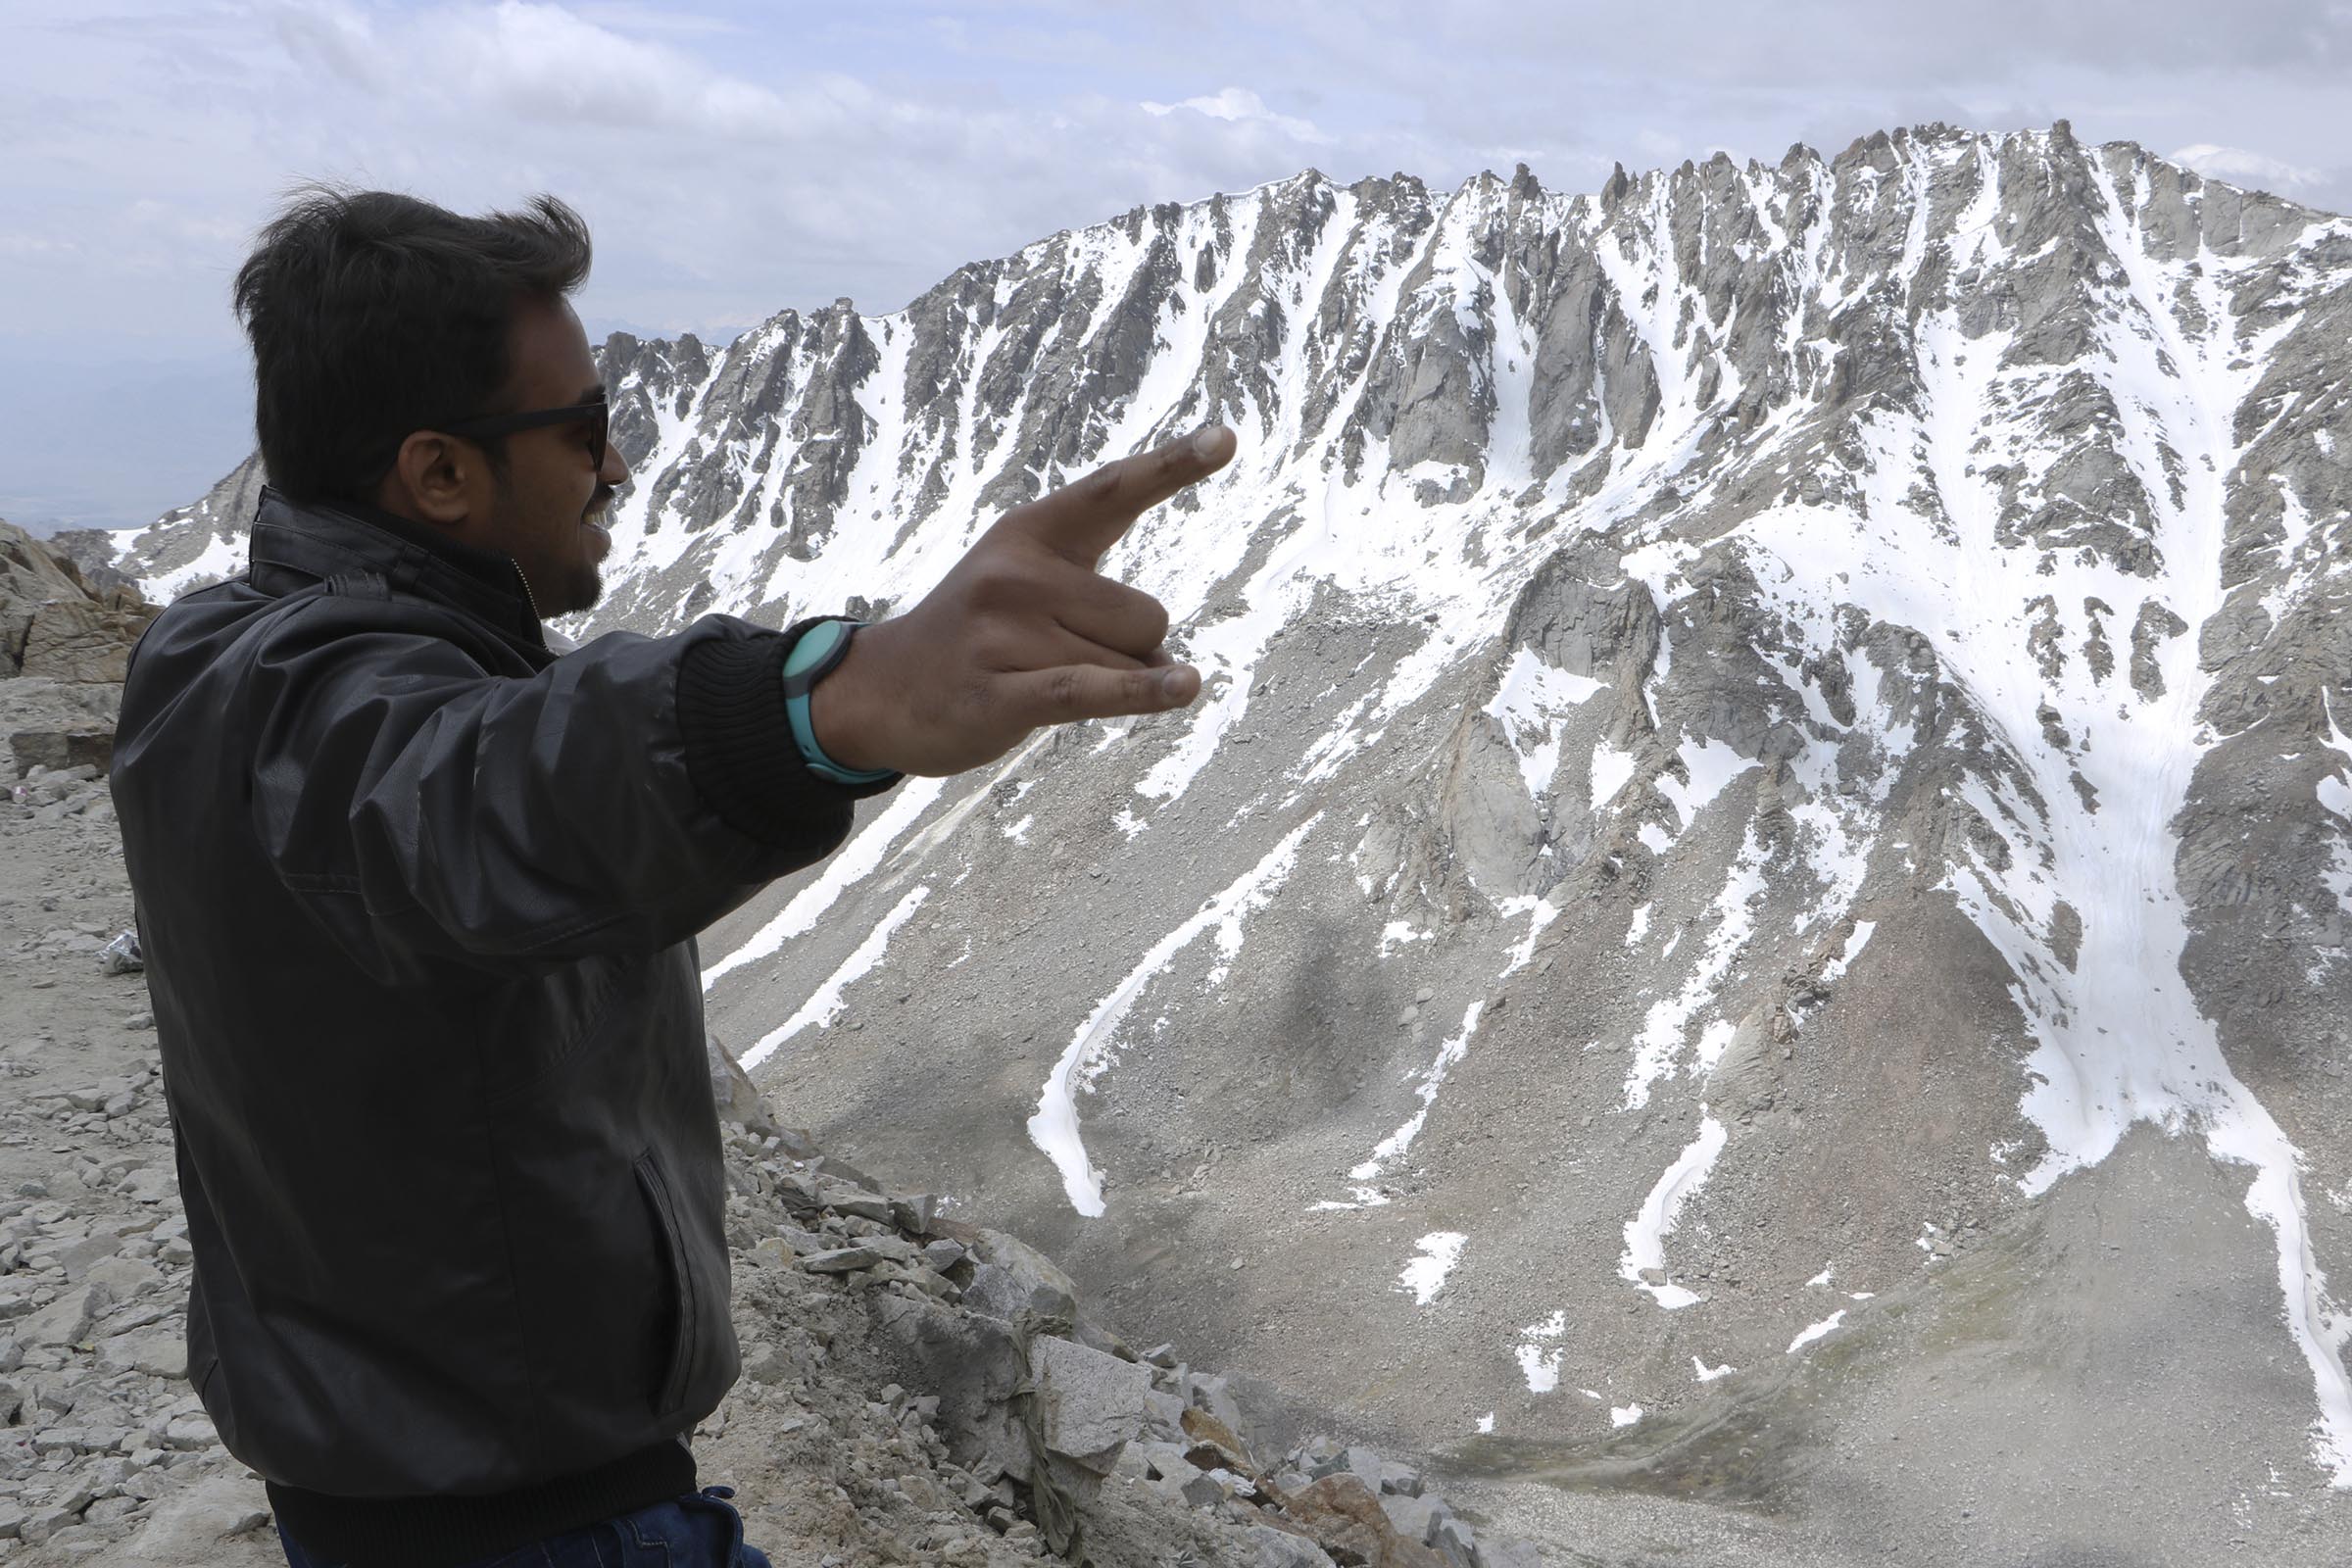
x=1053, y=1129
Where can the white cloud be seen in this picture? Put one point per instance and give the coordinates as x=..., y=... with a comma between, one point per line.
x=1239, y=105
x=2242, y=168
x=643, y=19
x=734, y=158
x=39, y=245
x=543, y=64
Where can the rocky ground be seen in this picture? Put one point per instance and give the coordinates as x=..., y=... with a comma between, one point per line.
x=916, y=1388
x=105, y=1450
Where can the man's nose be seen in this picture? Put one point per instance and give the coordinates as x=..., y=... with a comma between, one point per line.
x=615, y=471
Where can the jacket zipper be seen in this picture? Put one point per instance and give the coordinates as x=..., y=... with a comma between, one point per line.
x=530, y=598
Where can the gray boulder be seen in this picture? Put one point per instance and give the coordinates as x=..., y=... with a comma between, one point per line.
x=1279, y=1549
x=1092, y=1404
x=67, y=1320
x=193, y=1526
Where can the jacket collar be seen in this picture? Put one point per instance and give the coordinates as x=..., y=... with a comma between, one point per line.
x=295, y=543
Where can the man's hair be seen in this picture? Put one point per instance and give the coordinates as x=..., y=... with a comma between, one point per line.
x=374, y=314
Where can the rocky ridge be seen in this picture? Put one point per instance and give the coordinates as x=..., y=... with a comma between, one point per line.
x=65, y=643
x=56, y=623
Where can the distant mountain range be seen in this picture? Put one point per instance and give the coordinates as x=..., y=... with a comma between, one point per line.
x=1766, y=863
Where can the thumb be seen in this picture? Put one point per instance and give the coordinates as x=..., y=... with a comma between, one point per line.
x=1070, y=692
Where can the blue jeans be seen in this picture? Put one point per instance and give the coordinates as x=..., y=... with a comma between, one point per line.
x=700, y=1531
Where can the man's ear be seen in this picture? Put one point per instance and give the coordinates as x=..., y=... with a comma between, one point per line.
x=432, y=478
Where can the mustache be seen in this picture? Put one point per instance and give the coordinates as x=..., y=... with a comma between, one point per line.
x=602, y=504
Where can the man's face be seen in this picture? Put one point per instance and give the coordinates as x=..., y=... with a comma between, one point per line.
x=547, y=508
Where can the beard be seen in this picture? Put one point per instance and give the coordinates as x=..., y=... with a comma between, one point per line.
x=587, y=577
x=585, y=585
x=560, y=563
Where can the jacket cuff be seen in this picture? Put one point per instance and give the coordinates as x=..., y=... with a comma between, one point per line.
x=740, y=752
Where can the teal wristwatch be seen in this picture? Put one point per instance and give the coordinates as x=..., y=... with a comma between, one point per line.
x=812, y=658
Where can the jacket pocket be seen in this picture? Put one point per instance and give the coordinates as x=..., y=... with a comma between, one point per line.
x=682, y=1305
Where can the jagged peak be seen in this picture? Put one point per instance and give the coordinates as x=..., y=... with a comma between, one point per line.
x=1884, y=149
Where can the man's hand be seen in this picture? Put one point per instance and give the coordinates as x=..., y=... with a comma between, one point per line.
x=1022, y=633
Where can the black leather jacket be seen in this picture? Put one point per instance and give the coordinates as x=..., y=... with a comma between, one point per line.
x=417, y=899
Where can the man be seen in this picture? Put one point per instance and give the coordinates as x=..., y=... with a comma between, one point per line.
x=419, y=896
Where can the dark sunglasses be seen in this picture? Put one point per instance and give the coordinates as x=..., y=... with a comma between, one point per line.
x=598, y=417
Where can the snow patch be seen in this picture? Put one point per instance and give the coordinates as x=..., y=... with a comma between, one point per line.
x=1646, y=1232
x=1540, y=1356
x=1712, y=765
x=852, y=864
x=1836, y=968
x=1425, y=1275
x=1609, y=770
x=821, y=1009
x=1826, y=1326
x=221, y=558
x=1531, y=705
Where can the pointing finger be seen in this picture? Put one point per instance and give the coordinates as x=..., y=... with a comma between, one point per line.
x=1089, y=691
x=1083, y=519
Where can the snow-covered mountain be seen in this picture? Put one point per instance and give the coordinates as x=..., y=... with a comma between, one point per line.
x=1768, y=848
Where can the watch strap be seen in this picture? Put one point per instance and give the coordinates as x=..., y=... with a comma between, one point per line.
x=820, y=647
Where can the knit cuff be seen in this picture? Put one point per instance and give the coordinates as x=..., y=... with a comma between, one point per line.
x=740, y=752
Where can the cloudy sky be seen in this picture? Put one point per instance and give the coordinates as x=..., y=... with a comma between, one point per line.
x=735, y=156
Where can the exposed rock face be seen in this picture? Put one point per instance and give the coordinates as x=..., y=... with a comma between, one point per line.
x=91, y=552
x=64, y=650
x=1774, y=758
x=85, y=640
x=33, y=582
